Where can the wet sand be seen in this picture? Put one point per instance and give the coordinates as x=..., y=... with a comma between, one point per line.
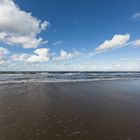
x=101, y=110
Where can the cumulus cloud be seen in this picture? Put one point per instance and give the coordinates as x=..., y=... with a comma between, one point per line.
x=57, y=43
x=67, y=55
x=3, y=53
x=18, y=27
x=117, y=40
x=20, y=57
x=137, y=43
x=136, y=16
x=41, y=55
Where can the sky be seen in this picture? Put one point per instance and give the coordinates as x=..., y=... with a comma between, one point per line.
x=69, y=35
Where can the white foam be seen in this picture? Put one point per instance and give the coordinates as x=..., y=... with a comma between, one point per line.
x=61, y=81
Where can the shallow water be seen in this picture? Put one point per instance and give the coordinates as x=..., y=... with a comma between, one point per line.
x=18, y=77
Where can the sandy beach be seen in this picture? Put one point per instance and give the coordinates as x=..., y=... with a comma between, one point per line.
x=99, y=110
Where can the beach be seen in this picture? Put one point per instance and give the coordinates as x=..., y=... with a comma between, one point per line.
x=94, y=110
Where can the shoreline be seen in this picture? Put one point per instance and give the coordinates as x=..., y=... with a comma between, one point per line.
x=71, y=81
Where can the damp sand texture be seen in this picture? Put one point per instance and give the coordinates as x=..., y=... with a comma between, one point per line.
x=99, y=110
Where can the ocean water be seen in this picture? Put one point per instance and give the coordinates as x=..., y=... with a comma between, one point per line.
x=17, y=77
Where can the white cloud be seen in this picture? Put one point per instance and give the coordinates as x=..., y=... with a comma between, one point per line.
x=137, y=43
x=57, y=43
x=18, y=27
x=41, y=55
x=3, y=62
x=136, y=16
x=25, y=41
x=3, y=53
x=20, y=57
x=117, y=40
x=124, y=64
x=67, y=55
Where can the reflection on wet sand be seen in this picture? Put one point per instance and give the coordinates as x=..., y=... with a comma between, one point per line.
x=103, y=110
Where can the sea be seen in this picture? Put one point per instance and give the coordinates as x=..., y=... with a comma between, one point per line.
x=65, y=76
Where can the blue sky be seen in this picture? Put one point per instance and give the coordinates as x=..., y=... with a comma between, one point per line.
x=70, y=35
